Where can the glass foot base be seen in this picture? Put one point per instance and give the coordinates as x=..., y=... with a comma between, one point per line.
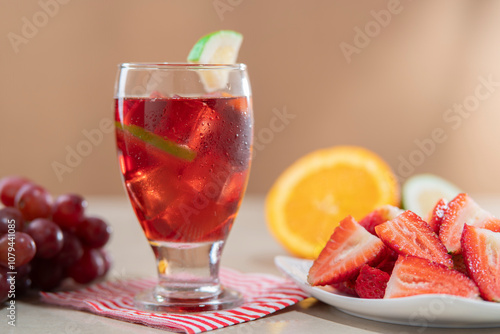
x=227, y=299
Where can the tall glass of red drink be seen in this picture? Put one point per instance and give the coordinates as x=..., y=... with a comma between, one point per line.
x=184, y=140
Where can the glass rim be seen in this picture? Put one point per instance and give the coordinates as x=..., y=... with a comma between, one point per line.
x=182, y=66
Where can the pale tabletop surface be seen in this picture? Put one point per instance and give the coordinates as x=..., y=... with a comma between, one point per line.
x=250, y=248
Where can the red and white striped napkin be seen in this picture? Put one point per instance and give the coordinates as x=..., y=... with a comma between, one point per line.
x=264, y=294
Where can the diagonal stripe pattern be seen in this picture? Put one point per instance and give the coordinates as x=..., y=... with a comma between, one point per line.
x=264, y=294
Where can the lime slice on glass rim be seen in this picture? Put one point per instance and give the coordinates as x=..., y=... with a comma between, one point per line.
x=219, y=47
x=421, y=192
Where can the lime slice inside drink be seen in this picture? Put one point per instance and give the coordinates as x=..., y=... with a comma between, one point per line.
x=220, y=47
x=163, y=144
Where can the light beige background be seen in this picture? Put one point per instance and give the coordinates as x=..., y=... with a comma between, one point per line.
x=392, y=92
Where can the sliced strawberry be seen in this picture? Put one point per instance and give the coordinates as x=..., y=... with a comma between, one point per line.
x=346, y=287
x=408, y=234
x=459, y=264
x=416, y=276
x=437, y=214
x=481, y=251
x=463, y=210
x=387, y=263
x=379, y=216
x=371, y=282
x=349, y=248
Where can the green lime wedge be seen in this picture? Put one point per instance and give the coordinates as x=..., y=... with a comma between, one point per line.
x=422, y=191
x=219, y=47
x=163, y=144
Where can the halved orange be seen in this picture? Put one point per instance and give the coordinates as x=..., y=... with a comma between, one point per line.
x=314, y=194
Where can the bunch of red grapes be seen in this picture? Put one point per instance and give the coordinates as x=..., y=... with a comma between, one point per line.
x=45, y=240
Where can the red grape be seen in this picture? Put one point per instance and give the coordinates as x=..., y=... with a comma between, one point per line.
x=24, y=249
x=23, y=270
x=22, y=279
x=23, y=284
x=10, y=216
x=71, y=251
x=68, y=210
x=48, y=240
x=89, y=267
x=108, y=260
x=4, y=285
x=47, y=235
x=46, y=274
x=94, y=232
x=9, y=187
x=34, y=202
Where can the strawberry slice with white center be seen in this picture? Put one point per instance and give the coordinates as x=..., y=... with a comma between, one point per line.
x=379, y=216
x=463, y=210
x=408, y=234
x=436, y=216
x=481, y=252
x=349, y=248
x=416, y=276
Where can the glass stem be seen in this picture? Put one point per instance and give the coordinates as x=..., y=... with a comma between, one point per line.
x=188, y=270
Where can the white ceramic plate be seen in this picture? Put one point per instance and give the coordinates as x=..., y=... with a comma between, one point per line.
x=423, y=311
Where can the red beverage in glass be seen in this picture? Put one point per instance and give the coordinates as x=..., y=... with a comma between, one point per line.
x=184, y=138
x=185, y=163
